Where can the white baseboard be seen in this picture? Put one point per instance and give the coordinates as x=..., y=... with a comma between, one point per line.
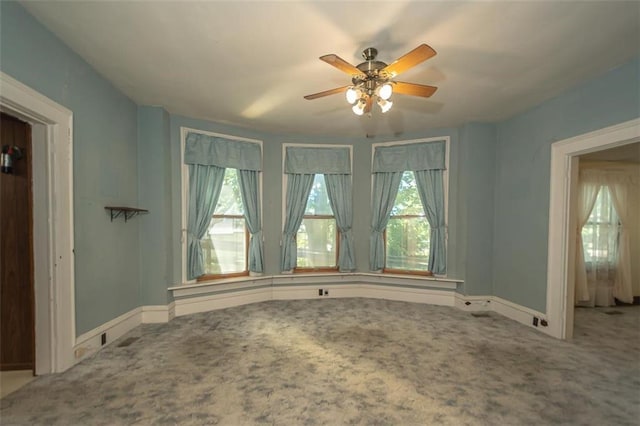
x=243, y=297
x=152, y=314
x=90, y=342
x=519, y=313
x=473, y=303
x=508, y=309
x=220, y=301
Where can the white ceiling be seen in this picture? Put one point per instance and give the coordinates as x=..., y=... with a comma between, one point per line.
x=250, y=63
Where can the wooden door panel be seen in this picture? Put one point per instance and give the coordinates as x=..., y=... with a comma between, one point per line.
x=17, y=337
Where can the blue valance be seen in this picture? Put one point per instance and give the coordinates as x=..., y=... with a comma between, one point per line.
x=414, y=156
x=307, y=160
x=227, y=153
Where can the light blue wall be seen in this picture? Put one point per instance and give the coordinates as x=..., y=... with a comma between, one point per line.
x=104, y=162
x=523, y=174
x=155, y=194
x=476, y=197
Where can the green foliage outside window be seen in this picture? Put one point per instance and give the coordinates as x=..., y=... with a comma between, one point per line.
x=408, y=232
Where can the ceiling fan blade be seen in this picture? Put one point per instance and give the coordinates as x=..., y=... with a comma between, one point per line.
x=342, y=65
x=327, y=93
x=413, y=89
x=411, y=59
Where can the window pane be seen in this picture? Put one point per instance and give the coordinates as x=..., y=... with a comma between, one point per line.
x=224, y=246
x=407, y=201
x=318, y=201
x=407, y=238
x=600, y=233
x=316, y=240
x=230, y=201
x=408, y=241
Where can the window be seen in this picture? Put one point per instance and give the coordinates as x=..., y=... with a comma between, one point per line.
x=407, y=237
x=317, y=237
x=600, y=233
x=225, y=245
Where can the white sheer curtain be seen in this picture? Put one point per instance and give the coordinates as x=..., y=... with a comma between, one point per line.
x=587, y=193
x=619, y=189
x=603, y=264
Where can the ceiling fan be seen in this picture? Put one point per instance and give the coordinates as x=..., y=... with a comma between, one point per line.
x=374, y=79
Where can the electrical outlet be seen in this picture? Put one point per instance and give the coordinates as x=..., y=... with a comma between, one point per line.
x=326, y=292
x=535, y=321
x=320, y=292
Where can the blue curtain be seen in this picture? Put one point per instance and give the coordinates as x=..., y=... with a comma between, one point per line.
x=305, y=160
x=218, y=151
x=339, y=192
x=385, y=189
x=298, y=189
x=205, y=183
x=249, y=190
x=413, y=156
x=431, y=191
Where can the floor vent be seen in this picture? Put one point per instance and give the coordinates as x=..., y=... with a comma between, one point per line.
x=128, y=341
x=614, y=313
x=481, y=314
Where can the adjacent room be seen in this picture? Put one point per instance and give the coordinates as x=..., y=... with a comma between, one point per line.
x=309, y=212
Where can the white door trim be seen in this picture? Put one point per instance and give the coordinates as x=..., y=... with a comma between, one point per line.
x=53, y=141
x=560, y=286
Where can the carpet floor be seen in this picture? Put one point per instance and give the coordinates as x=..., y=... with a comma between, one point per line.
x=348, y=362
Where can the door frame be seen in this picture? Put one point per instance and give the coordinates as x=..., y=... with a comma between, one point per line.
x=562, y=241
x=52, y=146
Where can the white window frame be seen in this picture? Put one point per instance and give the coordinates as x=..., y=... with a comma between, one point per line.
x=285, y=180
x=184, y=131
x=445, y=176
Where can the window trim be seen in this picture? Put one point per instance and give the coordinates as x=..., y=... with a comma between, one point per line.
x=445, y=184
x=184, y=185
x=285, y=181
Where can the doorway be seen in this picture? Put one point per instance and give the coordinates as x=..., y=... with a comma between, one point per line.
x=17, y=310
x=562, y=224
x=52, y=172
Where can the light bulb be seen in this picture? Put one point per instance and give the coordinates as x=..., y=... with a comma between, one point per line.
x=352, y=95
x=385, y=91
x=384, y=105
x=358, y=108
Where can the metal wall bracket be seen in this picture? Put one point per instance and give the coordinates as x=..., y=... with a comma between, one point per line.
x=126, y=212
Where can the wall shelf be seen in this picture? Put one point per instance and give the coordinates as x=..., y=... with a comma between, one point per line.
x=126, y=212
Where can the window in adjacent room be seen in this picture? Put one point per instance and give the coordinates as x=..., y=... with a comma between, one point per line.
x=407, y=237
x=600, y=233
x=317, y=237
x=225, y=246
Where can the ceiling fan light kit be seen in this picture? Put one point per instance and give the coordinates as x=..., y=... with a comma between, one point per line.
x=372, y=80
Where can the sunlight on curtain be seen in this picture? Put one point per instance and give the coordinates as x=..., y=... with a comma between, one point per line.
x=600, y=237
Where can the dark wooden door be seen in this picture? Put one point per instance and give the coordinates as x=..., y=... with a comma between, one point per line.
x=17, y=316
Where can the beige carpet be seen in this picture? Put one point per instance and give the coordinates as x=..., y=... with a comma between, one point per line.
x=348, y=361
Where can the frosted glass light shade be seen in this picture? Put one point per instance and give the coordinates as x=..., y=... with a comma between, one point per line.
x=385, y=91
x=358, y=108
x=352, y=95
x=384, y=105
